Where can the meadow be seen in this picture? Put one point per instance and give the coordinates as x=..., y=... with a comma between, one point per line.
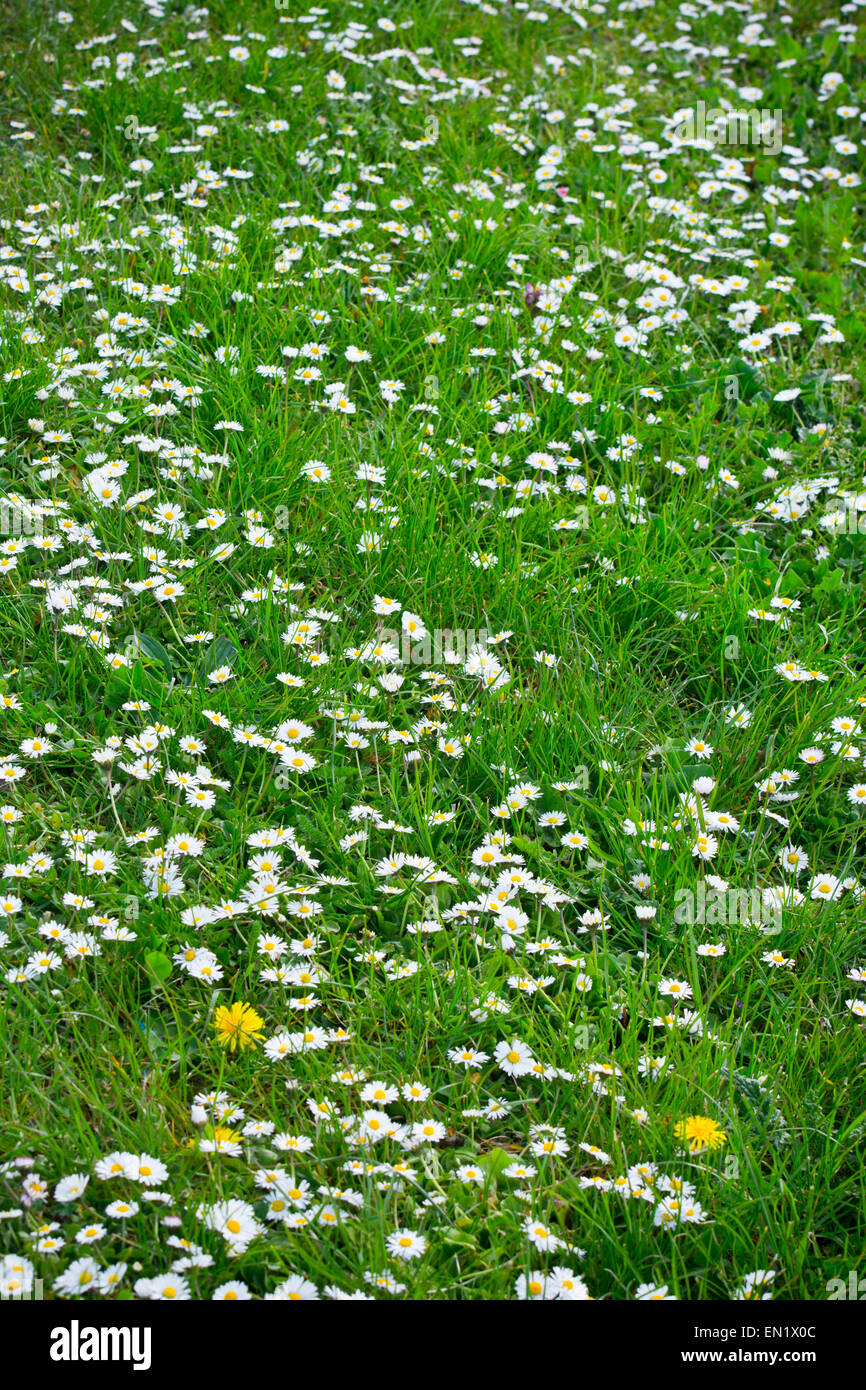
x=432, y=535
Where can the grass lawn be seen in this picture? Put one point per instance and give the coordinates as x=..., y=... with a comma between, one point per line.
x=432, y=536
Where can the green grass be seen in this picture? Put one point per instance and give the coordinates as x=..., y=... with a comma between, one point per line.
x=668, y=552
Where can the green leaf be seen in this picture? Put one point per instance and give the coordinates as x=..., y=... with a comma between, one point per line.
x=221, y=652
x=830, y=584
x=526, y=846
x=495, y=1161
x=158, y=964
x=454, y=1236
x=153, y=649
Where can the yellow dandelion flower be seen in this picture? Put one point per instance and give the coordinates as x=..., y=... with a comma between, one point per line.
x=237, y=1026
x=700, y=1132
